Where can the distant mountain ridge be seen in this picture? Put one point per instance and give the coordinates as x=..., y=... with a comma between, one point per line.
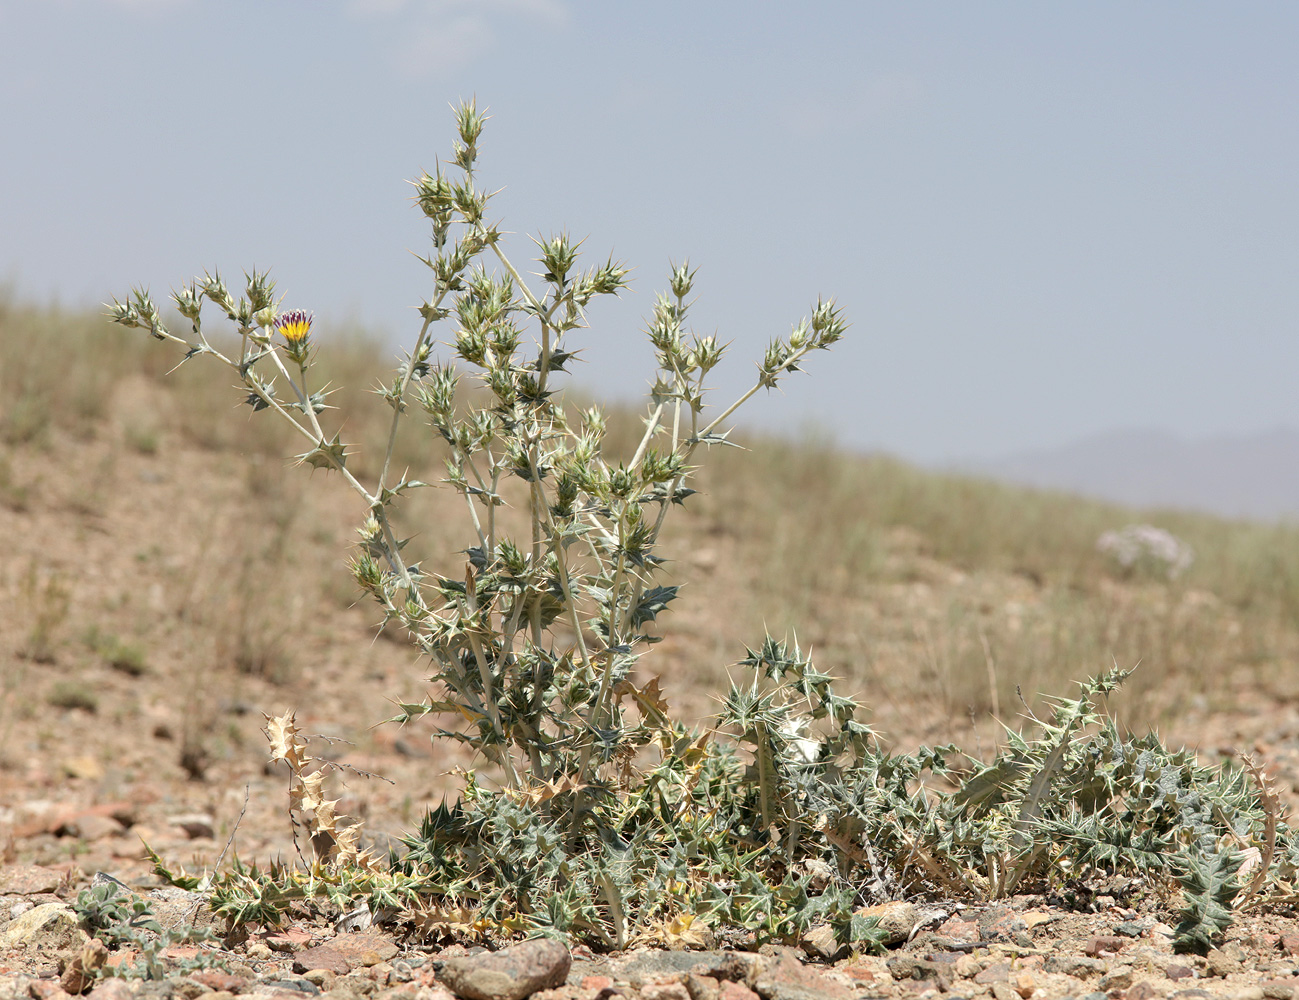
x=1238, y=475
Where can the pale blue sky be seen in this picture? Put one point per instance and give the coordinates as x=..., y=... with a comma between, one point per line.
x=1043, y=219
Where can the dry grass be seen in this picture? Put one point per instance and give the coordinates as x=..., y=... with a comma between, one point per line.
x=941, y=598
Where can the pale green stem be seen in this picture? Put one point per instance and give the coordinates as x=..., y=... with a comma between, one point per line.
x=651, y=426
x=401, y=394
x=725, y=414
x=489, y=693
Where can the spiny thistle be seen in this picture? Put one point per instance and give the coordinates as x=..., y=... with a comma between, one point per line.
x=600, y=815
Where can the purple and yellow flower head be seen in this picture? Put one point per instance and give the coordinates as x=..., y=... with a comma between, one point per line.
x=295, y=325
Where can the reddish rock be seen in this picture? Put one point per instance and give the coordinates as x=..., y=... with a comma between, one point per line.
x=788, y=979
x=324, y=957
x=112, y=989
x=509, y=974
x=215, y=979
x=405, y=991
x=699, y=987
x=1099, y=945
x=46, y=989
x=959, y=929
x=1176, y=972
x=90, y=826
x=999, y=973
x=735, y=991
x=1141, y=991
x=58, y=822
x=1290, y=944
x=196, y=825
x=860, y=973
x=29, y=880
x=1000, y=922
x=596, y=983
x=125, y=956
x=364, y=949
x=287, y=940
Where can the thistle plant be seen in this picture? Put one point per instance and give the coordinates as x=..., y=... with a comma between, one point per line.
x=592, y=810
x=533, y=638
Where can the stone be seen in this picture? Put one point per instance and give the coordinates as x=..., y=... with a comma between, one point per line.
x=1221, y=963
x=789, y=979
x=79, y=975
x=196, y=826
x=48, y=928
x=730, y=990
x=1118, y=978
x=292, y=983
x=699, y=987
x=866, y=971
x=90, y=826
x=83, y=767
x=999, y=973
x=820, y=942
x=29, y=880
x=287, y=940
x=959, y=929
x=732, y=966
x=112, y=989
x=1000, y=922
x=321, y=958
x=897, y=919
x=1176, y=972
x=509, y=974
x=665, y=991
x=219, y=981
x=366, y=948
x=1075, y=965
x=967, y=966
x=174, y=908
x=907, y=966
x=323, y=978
x=1143, y=990
x=44, y=989
x=14, y=986
x=1025, y=984
x=568, y=991
x=1104, y=945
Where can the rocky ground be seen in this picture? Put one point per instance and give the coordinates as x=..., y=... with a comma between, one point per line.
x=1018, y=951
x=141, y=645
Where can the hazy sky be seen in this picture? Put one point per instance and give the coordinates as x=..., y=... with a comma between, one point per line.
x=1043, y=219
